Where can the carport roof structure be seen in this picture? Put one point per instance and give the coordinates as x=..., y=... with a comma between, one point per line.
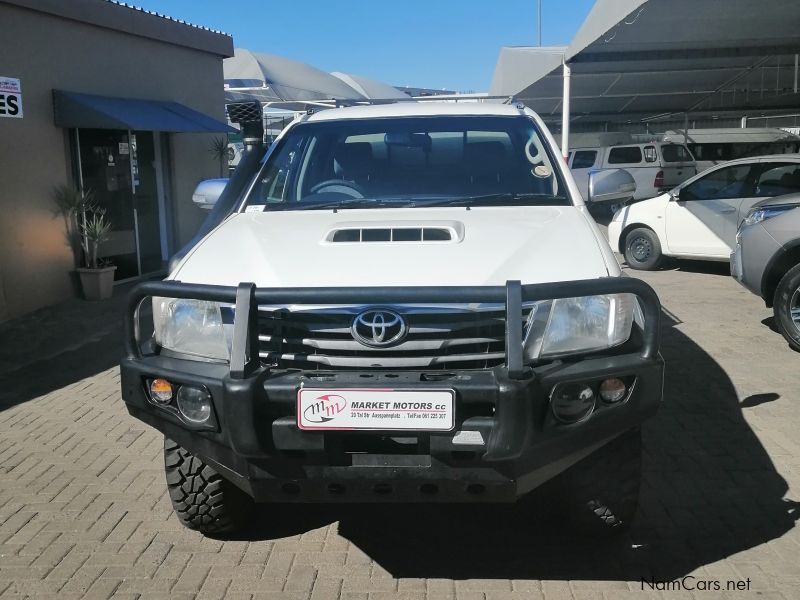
x=275, y=80
x=650, y=60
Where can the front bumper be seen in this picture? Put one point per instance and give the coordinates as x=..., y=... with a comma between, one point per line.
x=505, y=443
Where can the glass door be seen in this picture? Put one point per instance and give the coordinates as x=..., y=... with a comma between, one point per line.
x=119, y=167
x=105, y=168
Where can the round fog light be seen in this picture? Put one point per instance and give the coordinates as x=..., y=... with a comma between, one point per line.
x=161, y=391
x=572, y=402
x=194, y=403
x=612, y=390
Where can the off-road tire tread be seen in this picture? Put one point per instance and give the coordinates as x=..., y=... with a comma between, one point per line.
x=601, y=492
x=202, y=498
x=780, y=306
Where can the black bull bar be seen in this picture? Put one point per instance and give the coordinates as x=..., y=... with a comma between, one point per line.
x=246, y=298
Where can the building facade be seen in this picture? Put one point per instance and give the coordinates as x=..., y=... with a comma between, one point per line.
x=122, y=102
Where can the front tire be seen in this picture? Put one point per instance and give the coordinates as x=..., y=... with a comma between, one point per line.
x=786, y=307
x=202, y=498
x=642, y=249
x=601, y=492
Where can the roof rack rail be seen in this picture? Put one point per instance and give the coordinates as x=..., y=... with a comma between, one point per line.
x=506, y=99
x=314, y=105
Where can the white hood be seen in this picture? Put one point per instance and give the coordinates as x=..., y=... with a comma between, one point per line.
x=493, y=244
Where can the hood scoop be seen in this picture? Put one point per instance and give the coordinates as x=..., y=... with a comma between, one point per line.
x=396, y=232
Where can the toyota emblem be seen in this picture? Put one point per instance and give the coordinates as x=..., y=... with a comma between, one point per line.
x=378, y=328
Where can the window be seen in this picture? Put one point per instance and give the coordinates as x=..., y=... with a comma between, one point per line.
x=713, y=152
x=728, y=182
x=650, y=154
x=584, y=159
x=272, y=182
x=778, y=179
x=408, y=161
x=624, y=155
x=675, y=153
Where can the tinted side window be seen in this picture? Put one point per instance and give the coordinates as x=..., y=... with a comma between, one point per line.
x=584, y=159
x=728, y=182
x=776, y=180
x=650, y=154
x=624, y=155
x=675, y=153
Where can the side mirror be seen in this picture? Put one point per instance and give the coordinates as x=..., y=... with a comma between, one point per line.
x=611, y=185
x=208, y=192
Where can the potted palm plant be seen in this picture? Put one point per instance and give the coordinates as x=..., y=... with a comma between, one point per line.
x=219, y=150
x=97, y=278
x=86, y=228
x=72, y=204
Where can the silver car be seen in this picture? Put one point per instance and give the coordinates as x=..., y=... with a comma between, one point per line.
x=767, y=260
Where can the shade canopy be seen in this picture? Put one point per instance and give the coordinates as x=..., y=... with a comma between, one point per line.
x=280, y=79
x=370, y=88
x=651, y=60
x=104, y=112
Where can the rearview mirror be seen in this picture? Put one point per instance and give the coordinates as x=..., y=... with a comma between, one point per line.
x=611, y=185
x=407, y=139
x=208, y=192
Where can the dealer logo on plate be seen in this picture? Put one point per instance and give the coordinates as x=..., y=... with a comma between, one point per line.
x=324, y=408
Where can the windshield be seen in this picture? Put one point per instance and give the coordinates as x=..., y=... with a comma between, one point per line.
x=405, y=161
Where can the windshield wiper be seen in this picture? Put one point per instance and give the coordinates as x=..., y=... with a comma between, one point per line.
x=344, y=203
x=502, y=199
x=490, y=199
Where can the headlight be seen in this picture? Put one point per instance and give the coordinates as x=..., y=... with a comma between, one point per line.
x=578, y=325
x=193, y=327
x=766, y=212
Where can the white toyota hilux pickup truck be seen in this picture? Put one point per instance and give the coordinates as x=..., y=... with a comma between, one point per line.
x=403, y=302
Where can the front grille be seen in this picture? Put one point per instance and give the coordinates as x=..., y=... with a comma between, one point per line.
x=438, y=338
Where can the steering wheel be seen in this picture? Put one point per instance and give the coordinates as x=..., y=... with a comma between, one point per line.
x=341, y=186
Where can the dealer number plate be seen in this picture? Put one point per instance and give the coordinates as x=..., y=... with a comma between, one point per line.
x=382, y=409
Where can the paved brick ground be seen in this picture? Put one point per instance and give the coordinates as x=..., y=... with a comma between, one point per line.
x=83, y=508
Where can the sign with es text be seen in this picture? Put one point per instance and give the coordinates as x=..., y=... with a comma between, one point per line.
x=10, y=98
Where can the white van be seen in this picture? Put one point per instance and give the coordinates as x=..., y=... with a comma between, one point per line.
x=655, y=166
x=713, y=146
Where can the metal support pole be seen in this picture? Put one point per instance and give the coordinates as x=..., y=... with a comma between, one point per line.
x=565, y=112
x=744, y=122
x=686, y=128
x=796, y=56
x=539, y=26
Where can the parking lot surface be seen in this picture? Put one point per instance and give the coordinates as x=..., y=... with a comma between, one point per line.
x=84, y=509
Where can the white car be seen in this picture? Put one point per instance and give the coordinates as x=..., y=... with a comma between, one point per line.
x=699, y=219
x=409, y=303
